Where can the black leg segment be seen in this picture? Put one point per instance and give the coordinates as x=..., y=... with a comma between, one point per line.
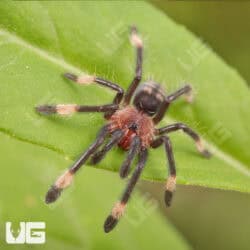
x=116, y=137
x=188, y=131
x=135, y=177
x=90, y=79
x=164, y=106
x=68, y=109
x=66, y=179
x=99, y=140
x=137, y=43
x=119, y=207
x=171, y=181
x=135, y=145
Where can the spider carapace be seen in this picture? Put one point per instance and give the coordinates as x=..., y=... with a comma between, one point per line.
x=130, y=126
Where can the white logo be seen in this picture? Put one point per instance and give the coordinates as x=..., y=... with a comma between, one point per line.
x=25, y=233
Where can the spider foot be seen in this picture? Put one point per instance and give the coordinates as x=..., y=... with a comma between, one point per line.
x=61, y=109
x=46, y=109
x=110, y=223
x=84, y=79
x=202, y=149
x=168, y=197
x=70, y=76
x=53, y=194
x=206, y=153
x=62, y=182
x=170, y=188
x=113, y=218
x=135, y=39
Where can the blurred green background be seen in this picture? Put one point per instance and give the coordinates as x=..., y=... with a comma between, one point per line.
x=209, y=218
x=223, y=25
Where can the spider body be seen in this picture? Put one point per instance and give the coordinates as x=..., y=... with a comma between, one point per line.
x=136, y=120
x=149, y=97
x=134, y=123
x=131, y=127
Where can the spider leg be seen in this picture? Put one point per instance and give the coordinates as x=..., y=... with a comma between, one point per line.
x=116, y=137
x=66, y=179
x=68, y=109
x=86, y=79
x=135, y=145
x=171, y=181
x=172, y=97
x=119, y=207
x=138, y=44
x=188, y=131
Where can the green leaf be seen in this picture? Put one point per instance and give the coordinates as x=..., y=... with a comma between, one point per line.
x=41, y=40
x=77, y=222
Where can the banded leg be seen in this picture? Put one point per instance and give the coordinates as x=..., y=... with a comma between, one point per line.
x=138, y=44
x=119, y=207
x=86, y=79
x=171, y=181
x=135, y=145
x=116, y=137
x=163, y=108
x=68, y=109
x=66, y=179
x=177, y=126
x=90, y=79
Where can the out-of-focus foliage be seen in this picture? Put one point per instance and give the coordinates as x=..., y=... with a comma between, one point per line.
x=208, y=218
x=224, y=25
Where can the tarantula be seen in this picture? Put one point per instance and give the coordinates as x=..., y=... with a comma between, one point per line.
x=131, y=127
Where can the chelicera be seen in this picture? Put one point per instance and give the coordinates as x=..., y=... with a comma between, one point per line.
x=130, y=126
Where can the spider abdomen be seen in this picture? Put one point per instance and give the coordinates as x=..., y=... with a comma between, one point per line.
x=132, y=122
